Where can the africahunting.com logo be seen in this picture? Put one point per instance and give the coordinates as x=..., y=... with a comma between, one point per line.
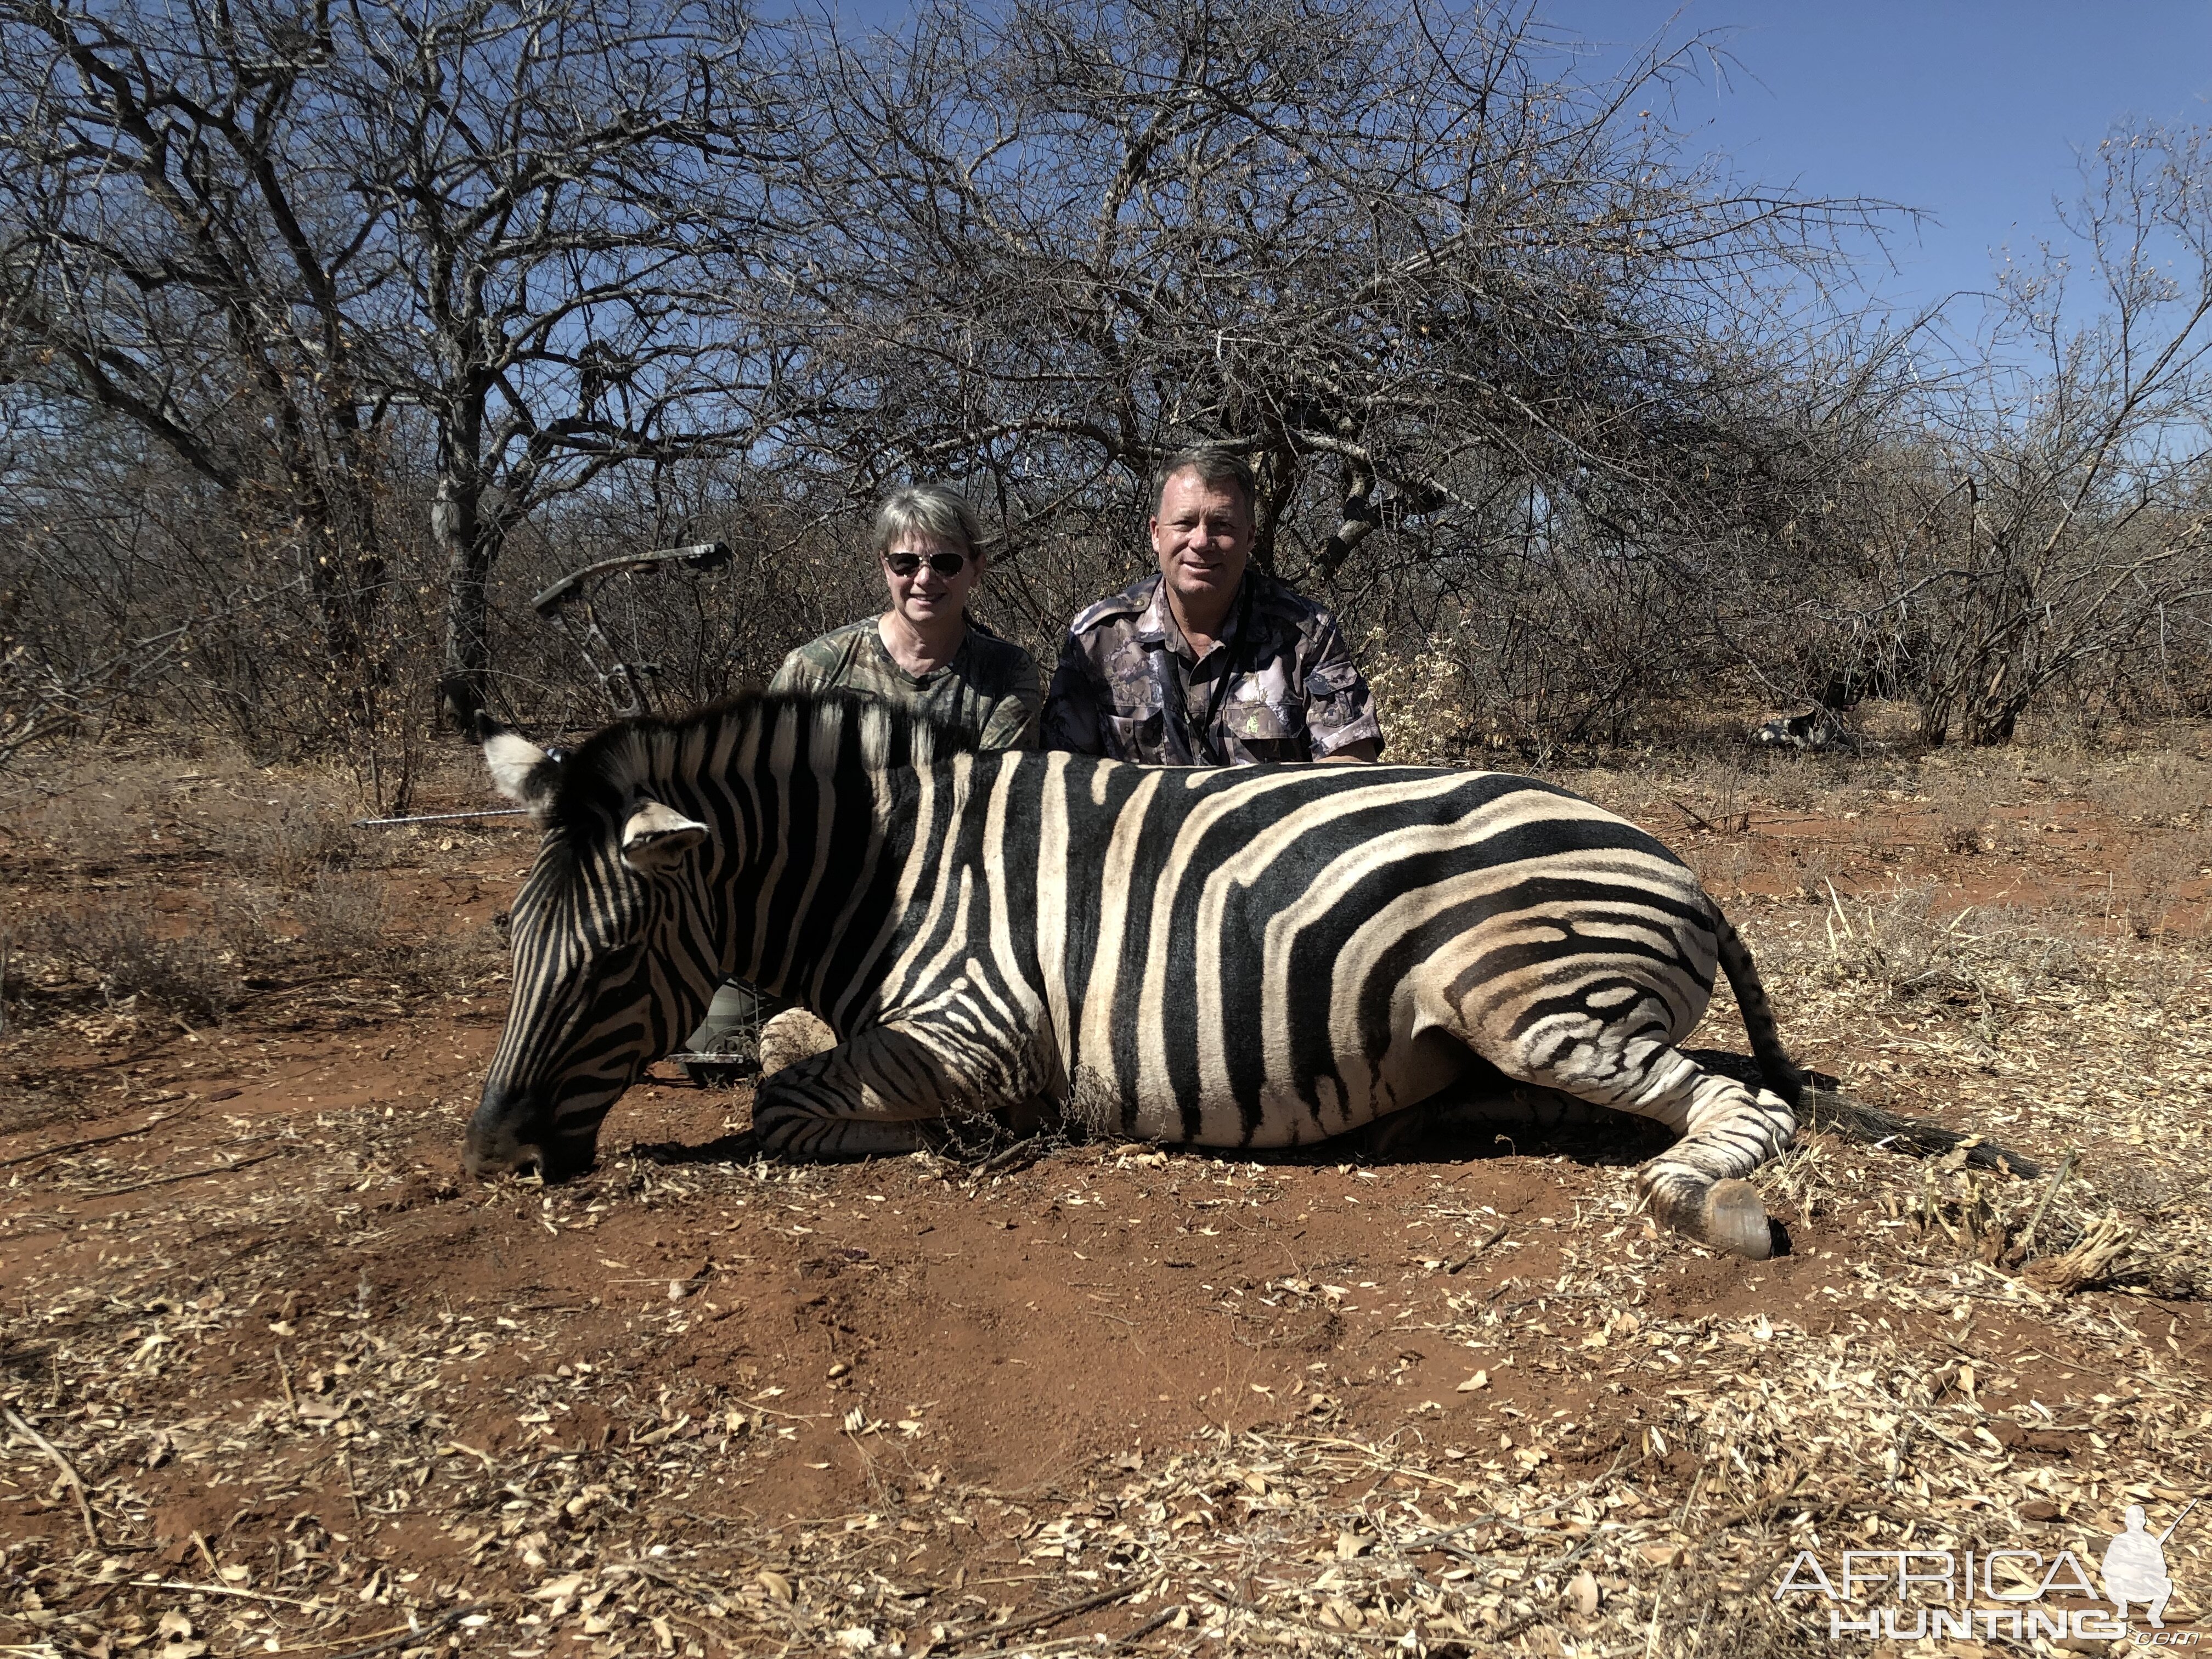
x=1908, y=1595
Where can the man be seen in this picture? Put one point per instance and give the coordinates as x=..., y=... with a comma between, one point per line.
x=1208, y=662
x=2135, y=1569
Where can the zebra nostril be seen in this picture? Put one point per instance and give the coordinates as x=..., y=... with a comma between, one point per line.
x=497, y=1142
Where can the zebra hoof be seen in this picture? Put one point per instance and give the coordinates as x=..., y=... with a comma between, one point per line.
x=1734, y=1220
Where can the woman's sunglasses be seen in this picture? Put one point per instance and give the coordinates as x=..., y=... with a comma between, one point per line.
x=945, y=564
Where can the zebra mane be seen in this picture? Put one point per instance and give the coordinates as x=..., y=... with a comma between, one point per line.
x=602, y=778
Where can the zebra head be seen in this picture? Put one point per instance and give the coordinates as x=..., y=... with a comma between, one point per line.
x=612, y=957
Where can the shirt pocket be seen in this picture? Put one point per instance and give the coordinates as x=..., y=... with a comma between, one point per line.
x=1265, y=731
x=1259, y=721
x=1134, y=738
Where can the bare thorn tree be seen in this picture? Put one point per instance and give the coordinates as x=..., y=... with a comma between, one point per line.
x=529, y=220
x=1409, y=264
x=2052, y=516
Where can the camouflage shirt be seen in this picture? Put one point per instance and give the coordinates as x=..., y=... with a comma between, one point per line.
x=1277, y=685
x=989, y=688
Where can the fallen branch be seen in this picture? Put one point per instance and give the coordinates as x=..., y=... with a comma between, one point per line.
x=2065, y=1169
x=69, y=1470
x=1020, y=1151
x=78, y=1145
x=189, y=1175
x=1164, y=1616
x=221, y=1589
x=1495, y=1234
x=1069, y=1609
x=408, y=1637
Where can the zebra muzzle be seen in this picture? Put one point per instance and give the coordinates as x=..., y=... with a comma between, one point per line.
x=498, y=1143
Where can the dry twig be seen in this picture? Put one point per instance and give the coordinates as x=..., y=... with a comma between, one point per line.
x=69, y=1470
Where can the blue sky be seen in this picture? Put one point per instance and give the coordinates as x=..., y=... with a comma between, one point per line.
x=1969, y=109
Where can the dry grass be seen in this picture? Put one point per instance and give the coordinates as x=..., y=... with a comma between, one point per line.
x=2155, y=878
x=294, y=834
x=343, y=916
x=2163, y=789
x=1909, y=943
x=132, y=956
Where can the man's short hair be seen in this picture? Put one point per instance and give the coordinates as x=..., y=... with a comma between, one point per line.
x=935, y=510
x=1214, y=465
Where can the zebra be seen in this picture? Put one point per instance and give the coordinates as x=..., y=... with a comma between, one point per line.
x=1257, y=957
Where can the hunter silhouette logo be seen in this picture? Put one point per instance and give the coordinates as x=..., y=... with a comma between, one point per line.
x=2135, y=1567
x=1991, y=1593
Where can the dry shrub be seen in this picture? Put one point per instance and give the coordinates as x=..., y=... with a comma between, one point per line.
x=2160, y=789
x=1423, y=701
x=1635, y=794
x=86, y=809
x=1715, y=792
x=1795, y=782
x=342, y=916
x=291, y=835
x=1722, y=865
x=1818, y=873
x=134, y=955
x=2149, y=887
x=1902, y=944
x=1966, y=812
x=457, y=963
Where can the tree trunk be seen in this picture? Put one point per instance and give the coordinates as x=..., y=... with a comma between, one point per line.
x=1935, y=718
x=1991, y=728
x=1988, y=720
x=469, y=548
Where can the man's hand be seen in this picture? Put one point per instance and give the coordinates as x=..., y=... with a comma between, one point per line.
x=1367, y=750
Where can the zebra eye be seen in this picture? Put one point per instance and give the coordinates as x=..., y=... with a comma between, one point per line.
x=619, y=957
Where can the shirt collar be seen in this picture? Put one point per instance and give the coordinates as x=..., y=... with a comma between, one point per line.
x=883, y=655
x=1157, y=625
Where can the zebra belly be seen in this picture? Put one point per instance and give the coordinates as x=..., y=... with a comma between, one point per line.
x=1273, y=958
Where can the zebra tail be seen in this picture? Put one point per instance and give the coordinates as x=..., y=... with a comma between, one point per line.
x=1828, y=1108
x=1854, y=1120
x=1776, y=1068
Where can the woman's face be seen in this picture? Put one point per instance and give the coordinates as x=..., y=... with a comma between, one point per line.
x=927, y=597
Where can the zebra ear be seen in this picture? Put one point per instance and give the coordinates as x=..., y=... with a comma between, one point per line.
x=657, y=837
x=521, y=770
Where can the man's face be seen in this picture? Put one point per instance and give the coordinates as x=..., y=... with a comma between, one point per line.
x=1203, y=536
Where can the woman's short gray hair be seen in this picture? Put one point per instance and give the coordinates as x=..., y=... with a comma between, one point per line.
x=934, y=510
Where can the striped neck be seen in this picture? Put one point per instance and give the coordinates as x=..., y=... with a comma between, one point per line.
x=810, y=800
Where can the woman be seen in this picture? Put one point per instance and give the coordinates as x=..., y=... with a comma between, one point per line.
x=925, y=653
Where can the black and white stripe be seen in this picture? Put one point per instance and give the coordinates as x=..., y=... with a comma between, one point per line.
x=1257, y=957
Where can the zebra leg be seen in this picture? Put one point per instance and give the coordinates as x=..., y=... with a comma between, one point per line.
x=880, y=1093
x=1696, y=1186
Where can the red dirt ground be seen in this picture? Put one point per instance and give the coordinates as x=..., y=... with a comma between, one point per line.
x=293, y=1355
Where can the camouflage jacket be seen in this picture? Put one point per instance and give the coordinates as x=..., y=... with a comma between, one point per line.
x=1278, y=685
x=989, y=688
